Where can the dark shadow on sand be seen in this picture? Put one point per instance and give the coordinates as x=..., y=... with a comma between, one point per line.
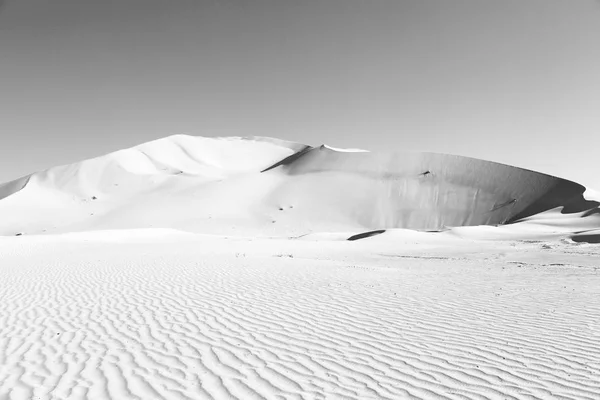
x=290, y=159
x=366, y=235
x=566, y=194
x=593, y=238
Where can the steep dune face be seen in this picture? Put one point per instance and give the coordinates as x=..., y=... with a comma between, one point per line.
x=426, y=190
x=265, y=186
x=10, y=188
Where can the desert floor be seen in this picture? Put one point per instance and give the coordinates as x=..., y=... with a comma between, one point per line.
x=159, y=314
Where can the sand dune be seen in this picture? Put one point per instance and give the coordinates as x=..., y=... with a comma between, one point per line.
x=263, y=186
x=253, y=268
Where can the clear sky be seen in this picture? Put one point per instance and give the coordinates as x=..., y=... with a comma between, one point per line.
x=515, y=81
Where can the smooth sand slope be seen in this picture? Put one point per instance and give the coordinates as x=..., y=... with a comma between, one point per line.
x=403, y=315
x=269, y=187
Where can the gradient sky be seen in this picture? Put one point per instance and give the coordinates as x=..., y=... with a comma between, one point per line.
x=514, y=81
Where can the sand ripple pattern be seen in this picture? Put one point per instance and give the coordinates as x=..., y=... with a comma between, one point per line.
x=110, y=321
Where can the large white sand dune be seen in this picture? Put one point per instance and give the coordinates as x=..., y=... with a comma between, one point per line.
x=263, y=186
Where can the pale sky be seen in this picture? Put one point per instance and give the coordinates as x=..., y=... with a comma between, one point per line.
x=514, y=81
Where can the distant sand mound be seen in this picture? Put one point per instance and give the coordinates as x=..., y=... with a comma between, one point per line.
x=264, y=186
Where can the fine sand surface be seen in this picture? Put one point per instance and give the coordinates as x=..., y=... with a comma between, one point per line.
x=200, y=268
x=163, y=314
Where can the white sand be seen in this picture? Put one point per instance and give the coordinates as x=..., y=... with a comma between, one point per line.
x=178, y=270
x=217, y=186
x=159, y=314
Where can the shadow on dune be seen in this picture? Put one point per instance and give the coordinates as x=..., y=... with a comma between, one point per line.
x=290, y=159
x=366, y=235
x=12, y=187
x=566, y=194
x=592, y=212
x=593, y=238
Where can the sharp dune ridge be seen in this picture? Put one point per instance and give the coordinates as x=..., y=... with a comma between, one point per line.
x=239, y=185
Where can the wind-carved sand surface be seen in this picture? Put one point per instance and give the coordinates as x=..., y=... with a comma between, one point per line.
x=157, y=314
x=199, y=268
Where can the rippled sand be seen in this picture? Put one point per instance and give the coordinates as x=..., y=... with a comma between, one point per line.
x=163, y=315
